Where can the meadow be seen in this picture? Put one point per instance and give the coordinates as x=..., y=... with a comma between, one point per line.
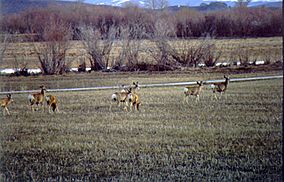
x=237, y=137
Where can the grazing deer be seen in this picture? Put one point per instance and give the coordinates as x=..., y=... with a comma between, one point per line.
x=220, y=87
x=5, y=102
x=37, y=98
x=51, y=101
x=193, y=90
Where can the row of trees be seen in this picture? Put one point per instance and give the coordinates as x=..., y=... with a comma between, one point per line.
x=100, y=27
x=235, y=22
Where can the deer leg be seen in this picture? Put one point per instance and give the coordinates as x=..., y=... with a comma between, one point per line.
x=110, y=106
x=215, y=95
x=42, y=109
x=42, y=106
x=57, y=110
x=197, y=98
x=125, y=108
x=187, y=99
x=221, y=95
x=225, y=95
x=32, y=109
x=7, y=111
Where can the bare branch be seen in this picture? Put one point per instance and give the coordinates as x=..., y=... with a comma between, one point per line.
x=5, y=39
x=98, y=45
x=52, y=53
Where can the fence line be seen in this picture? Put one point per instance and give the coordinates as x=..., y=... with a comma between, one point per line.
x=147, y=85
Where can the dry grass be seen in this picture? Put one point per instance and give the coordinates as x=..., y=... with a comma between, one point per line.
x=256, y=48
x=237, y=138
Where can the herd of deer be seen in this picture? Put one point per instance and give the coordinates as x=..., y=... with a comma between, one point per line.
x=127, y=96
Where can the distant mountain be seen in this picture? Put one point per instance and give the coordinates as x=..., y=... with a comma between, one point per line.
x=14, y=6
x=266, y=4
x=230, y=3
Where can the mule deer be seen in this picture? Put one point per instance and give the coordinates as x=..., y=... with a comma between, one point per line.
x=122, y=96
x=193, y=90
x=37, y=98
x=134, y=100
x=51, y=101
x=134, y=86
x=5, y=102
x=220, y=87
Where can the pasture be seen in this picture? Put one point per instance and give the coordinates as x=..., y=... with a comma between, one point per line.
x=235, y=138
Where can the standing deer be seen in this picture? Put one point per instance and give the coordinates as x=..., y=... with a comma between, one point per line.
x=51, y=101
x=5, y=102
x=220, y=87
x=134, y=100
x=193, y=90
x=37, y=98
x=122, y=96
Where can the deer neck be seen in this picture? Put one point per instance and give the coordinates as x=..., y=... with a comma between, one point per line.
x=226, y=83
x=42, y=91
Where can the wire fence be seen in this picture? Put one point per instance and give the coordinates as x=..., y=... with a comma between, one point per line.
x=147, y=85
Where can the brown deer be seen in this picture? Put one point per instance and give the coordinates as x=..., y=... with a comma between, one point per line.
x=37, y=98
x=220, y=87
x=5, y=102
x=193, y=90
x=134, y=86
x=134, y=100
x=51, y=101
x=122, y=96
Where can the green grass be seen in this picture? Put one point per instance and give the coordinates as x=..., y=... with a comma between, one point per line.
x=231, y=139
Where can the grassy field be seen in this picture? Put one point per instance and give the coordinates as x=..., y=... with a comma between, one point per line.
x=19, y=54
x=235, y=138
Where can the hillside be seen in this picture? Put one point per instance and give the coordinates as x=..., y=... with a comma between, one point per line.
x=16, y=6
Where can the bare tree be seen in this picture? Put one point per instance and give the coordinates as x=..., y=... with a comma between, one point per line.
x=241, y=54
x=52, y=53
x=162, y=55
x=211, y=53
x=4, y=41
x=243, y=3
x=131, y=45
x=98, y=45
x=189, y=53
x=156, y=4
x=21, y=62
